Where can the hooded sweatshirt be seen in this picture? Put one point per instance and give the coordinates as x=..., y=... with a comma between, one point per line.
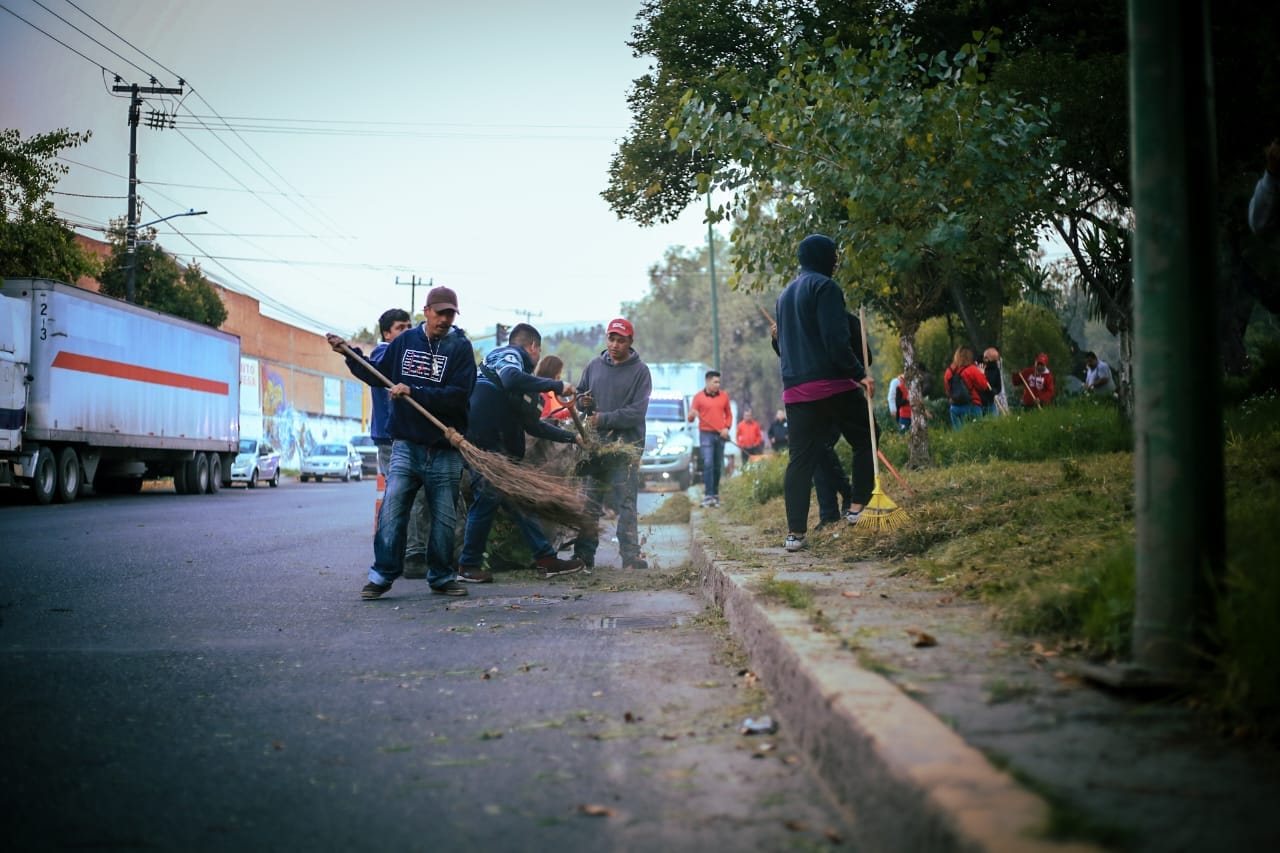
x=813, y=325
x=497, y=420
x=440, y=375
x=621, y=394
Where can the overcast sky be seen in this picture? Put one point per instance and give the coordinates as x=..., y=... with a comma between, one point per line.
x=462, y=142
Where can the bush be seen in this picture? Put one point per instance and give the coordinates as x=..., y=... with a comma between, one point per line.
x=759, y=482
x=1074, y=427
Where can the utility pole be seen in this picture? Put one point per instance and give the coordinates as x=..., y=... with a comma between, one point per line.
x=413, y=283
x=528, y=315
x=156, y=120
x=715, y=309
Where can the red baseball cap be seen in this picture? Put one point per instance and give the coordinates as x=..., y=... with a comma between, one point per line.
x=621, y=327
x=1042, y=358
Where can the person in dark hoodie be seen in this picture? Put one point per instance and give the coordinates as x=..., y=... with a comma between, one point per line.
x=822, y=384
x=435, y=365
x=616, y=386
x=505, y=405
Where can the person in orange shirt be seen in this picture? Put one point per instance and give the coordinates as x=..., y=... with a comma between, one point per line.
x=749, y=437
x=711, y=407
x=552, y=367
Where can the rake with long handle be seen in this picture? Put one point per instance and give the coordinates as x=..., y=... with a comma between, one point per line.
x=880, y=513
x=553, y=498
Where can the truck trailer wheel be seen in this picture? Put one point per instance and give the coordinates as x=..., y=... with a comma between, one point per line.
x=68, y=475
x=180, y=478
x=215, y=473
x=44, y=479
x=198, y=474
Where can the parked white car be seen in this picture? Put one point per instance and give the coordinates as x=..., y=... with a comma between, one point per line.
x=331, y=459
x=256, y=460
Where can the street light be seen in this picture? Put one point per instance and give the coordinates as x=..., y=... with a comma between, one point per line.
x=131, y=245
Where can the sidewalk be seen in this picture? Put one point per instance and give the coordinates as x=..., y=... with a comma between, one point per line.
x=980, y=741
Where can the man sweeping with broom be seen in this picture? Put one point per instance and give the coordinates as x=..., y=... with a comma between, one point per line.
x=433, y=365
x=822, y=382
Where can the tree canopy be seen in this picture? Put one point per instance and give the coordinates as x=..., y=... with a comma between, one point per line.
x=160, y=282
x=33, y=240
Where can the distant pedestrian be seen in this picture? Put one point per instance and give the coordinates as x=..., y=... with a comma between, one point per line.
x=993, y=401
x=1036, y=382
x=711, y=408
x=966, y=396
x=1097, y=377
x=554, y=406
x=749, y=438
x=823, y=384
x=778, y=432
x=900, y=403
x=615, y=387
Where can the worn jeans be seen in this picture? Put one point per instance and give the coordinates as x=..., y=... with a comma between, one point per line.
x=960, y=414
x=485, y=501
x=815, y=426
x=435, y=471
x=712, y=446
x=419, y=515
x=619, y=487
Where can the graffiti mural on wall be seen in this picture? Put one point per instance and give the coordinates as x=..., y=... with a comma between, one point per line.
x=292, y=431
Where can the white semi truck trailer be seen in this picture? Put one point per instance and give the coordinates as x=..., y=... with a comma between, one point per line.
x=94, y=390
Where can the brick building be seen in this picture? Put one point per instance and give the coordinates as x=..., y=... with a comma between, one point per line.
x=294, y=390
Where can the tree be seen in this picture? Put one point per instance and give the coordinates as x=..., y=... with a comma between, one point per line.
x=33, y=241
x=160, y=282
x=921, y=173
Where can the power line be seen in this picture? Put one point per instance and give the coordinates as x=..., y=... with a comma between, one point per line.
x=92, y=62
x=86, y=195
x=95, y=41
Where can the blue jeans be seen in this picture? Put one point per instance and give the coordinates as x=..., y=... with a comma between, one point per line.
x=437, y=471
x=960, y=414
x=712, y=446
x=485, y=501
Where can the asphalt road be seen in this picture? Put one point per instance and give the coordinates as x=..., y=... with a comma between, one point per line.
x=199, y=673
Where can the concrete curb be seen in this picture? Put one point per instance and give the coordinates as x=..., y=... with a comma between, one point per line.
x=911, y=782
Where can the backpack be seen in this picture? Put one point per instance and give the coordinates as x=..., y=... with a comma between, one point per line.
x=957, y=391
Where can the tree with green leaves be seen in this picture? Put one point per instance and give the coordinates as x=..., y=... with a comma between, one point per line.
x=33, y=241
x=160, y=282
x=912, y=163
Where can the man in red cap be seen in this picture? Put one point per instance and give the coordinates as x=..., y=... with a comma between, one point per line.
x=1036, y=382
x=616, y=386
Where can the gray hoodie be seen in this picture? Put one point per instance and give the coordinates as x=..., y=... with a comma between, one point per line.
x=621, y=395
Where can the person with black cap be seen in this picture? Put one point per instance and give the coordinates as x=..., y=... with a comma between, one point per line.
x=616, y=386
x=435, y=365
x=823, y=382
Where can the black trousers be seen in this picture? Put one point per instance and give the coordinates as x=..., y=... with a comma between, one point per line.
x=814, y=427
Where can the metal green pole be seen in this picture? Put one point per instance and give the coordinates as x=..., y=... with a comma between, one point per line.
x=1178, y=474
x=715, y=310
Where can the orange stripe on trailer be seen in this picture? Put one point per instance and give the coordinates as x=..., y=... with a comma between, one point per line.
x=122, y=370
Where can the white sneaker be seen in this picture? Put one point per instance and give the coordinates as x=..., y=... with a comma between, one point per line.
x=851, y=515
x=794, y=542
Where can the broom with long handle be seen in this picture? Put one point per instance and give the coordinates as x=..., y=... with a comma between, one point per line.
x=553, y=498
x=880, y=513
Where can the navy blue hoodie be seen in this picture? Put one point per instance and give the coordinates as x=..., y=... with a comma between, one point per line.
x=813, y=324
x=497, y=423
x=440, y=375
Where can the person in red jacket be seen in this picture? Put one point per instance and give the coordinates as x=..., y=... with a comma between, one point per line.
x=971, y=379
x=749, y=437
x=1036, y=382
x=711, y=407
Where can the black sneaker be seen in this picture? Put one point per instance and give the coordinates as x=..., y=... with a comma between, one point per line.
x=374, y=590
x=635, y=563
x=415, y=567
x=468, y=574
x=553, y=566
x=449, y=588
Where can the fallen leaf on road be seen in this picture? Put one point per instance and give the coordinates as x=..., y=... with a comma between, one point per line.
x=795, y=825
x=630, y=717
x=833, y=836
x=597, y=693
x=921, y=639
x=595, y=810
x=851, y=593
x=278, y=745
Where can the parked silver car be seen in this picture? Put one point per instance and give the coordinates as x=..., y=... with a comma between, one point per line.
x=256, y=460
x=331, y=459
x=368, y=451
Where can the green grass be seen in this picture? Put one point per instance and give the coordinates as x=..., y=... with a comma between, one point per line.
x=794, y=594
x=1033, y=515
